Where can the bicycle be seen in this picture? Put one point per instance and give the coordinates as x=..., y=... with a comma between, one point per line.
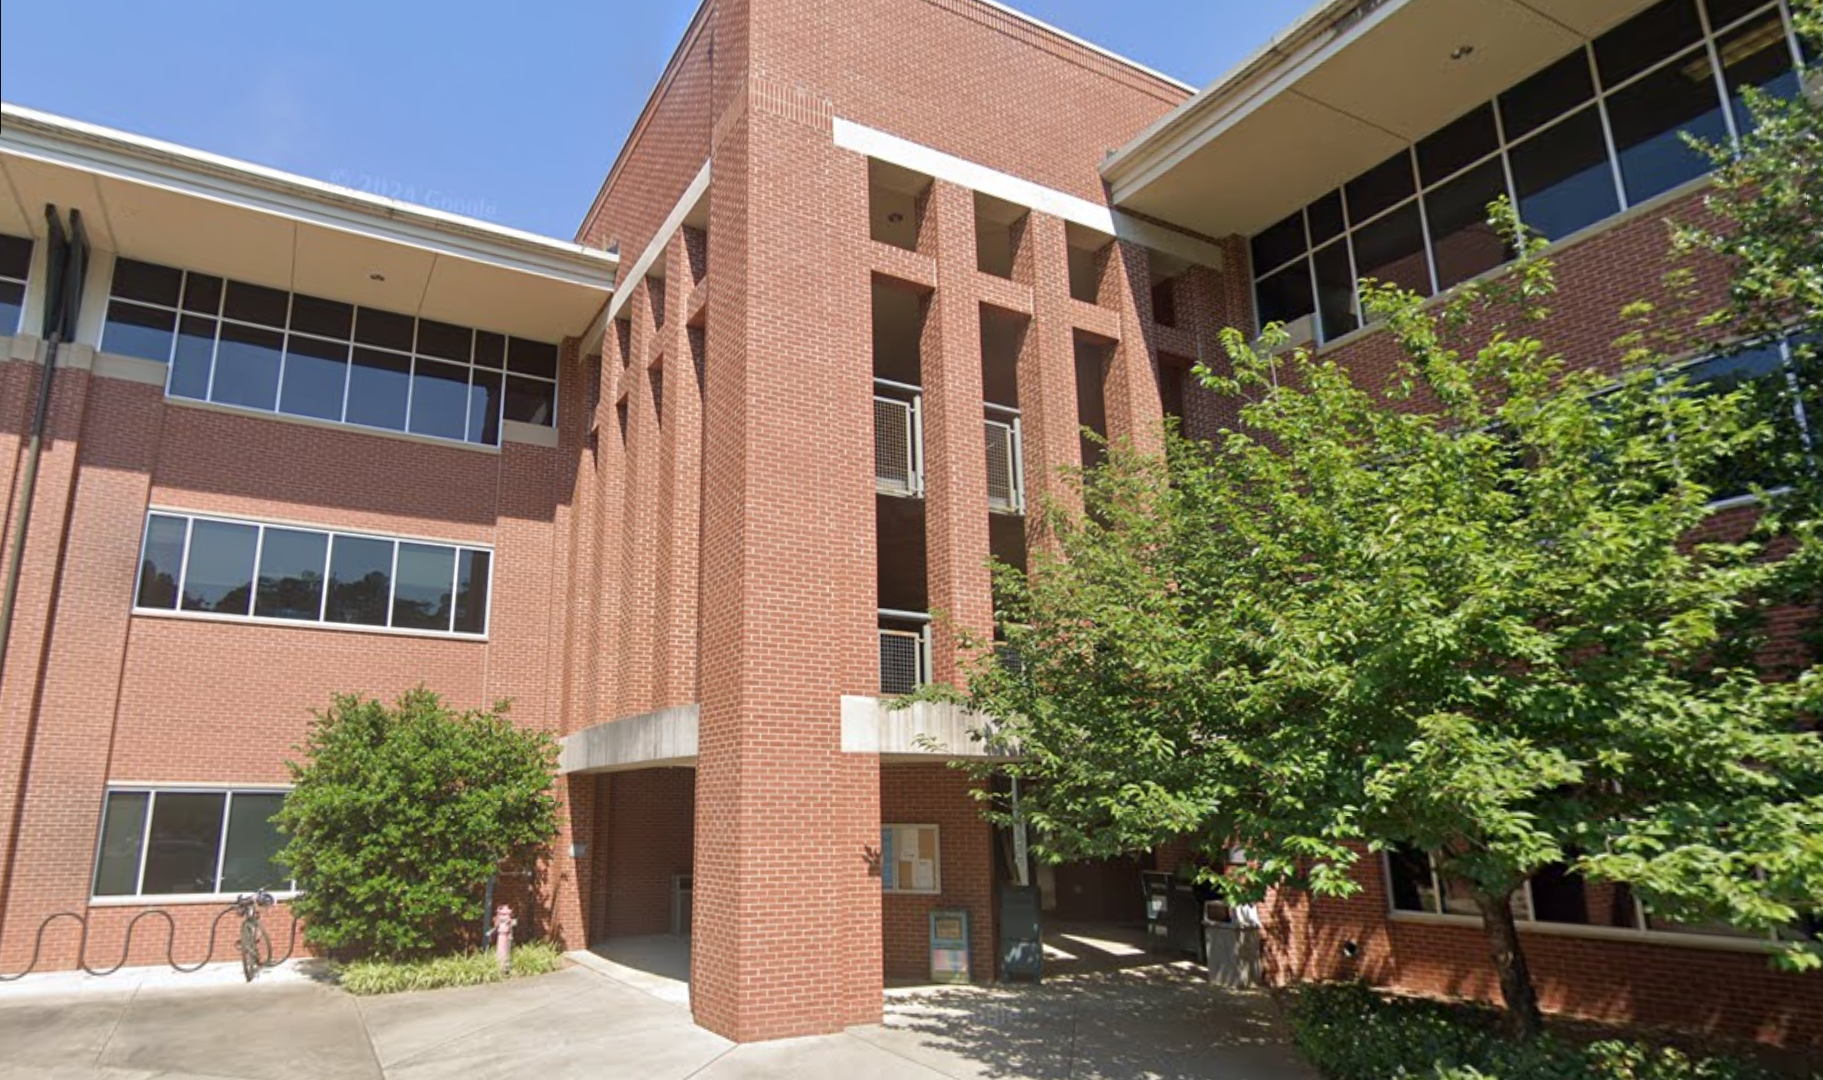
x=255, y=942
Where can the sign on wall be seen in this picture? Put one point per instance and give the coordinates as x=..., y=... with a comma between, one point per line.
x=909, y=859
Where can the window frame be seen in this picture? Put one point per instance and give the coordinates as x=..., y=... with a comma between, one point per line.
x=140, y=898
x=414, y=356
x=24, y=283
x=1708, y=45
x=1525, y=918
x=322, y=622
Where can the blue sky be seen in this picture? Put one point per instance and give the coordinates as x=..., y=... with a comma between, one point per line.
x=511, y=113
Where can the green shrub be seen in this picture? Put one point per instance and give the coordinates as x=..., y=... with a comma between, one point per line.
x=399, y=816
x=1349, y=1032
x=366, y=977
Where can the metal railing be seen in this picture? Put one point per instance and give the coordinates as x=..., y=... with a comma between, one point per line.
x=898, y=439
x=1005, y=462
x=905, y=651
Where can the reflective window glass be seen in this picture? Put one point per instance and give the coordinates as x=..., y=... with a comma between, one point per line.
x=248, y=861
x=123, y=831
x=1646, y=39
x=247, y=362
x=530, y=401
x=1391, y=251
x=1326, y=219
x=15, y=257
x=1759, y=374
x=422, y=587
x=324, y=318
x=256, y=304
x=444, y=341
x=1411, y=884
x=161, y=561
x=183, y=843
x=218, y=576
x=1564, y=178
x=1287, y=295
x=360, y=581
x=12, y=306
x=202, y=294
x=191, y=361
x=1380, y=188
x=484, y=399
x=379, y=384
x=291, y=574
x=135, y=280
x=316, y=374
x=1724, y=13
x=1650, y=118
x=384, y=329
x=439, y=399
x=1547, y=95
x=136, y=330
x=1336, y=291
x=1757, y=55
x=472, y=569
x=1463, y=243
x=1279, y=244
x=490, y=349
x=1458, y=146
x=531, y=358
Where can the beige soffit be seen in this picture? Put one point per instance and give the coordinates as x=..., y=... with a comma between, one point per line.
x=161, y=202
x=1346, y=86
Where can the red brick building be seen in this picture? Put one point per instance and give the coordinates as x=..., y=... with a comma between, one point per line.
x=301, y=441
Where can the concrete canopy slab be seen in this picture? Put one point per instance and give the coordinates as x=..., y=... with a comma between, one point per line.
x=922, y=731
x=659, y=739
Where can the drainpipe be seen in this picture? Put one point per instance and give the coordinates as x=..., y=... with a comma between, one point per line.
x=65, y=263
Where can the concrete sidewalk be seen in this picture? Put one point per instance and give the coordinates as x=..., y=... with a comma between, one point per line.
x=1159, y=1022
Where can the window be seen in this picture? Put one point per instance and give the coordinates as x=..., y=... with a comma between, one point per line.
x=1595, y=133
x=909, y=859
x=189, y=843
x=1554, y=896
x=283, y=574
x=1766, y=374
x=263, y=349
x=15, y=267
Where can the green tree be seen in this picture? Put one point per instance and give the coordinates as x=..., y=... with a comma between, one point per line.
x=1477, y=609
x=400, y=814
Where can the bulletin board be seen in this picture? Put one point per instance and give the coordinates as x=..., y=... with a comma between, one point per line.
x=910, y=859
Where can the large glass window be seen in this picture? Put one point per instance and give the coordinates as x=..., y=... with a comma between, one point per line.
x=286, y=574
x=257, y=348
x=1593, y=134
x=15, y=268
x=189, y=843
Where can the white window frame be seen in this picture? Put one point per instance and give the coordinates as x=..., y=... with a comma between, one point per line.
x=412, y=356
x=894, y=889
x=140, y=898
x=321, y=622
x=1525, y=920
x=25, y=286
x=1708, y=44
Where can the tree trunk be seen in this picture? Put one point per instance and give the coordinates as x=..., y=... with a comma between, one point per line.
x=1523, y=1016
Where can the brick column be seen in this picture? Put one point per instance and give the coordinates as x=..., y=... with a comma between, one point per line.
x=955, y=466
x=1135, y=411
x=1047, y=368
x=638, y=622
x=680, y=482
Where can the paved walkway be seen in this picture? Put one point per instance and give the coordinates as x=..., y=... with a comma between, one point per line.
x=1157, y=1021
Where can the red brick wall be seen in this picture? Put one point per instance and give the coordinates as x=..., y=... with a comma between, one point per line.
x=939, y=795
x=648, y=836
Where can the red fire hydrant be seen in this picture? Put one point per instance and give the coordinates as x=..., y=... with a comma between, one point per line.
x=503, y=937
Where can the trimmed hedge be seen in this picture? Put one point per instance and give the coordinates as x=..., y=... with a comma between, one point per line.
x=365, y=977
x=1349, y=1032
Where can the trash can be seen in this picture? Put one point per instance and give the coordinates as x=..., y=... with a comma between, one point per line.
x=1231, y=940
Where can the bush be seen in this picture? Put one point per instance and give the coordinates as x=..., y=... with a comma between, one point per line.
x=1349, y=1032
x=399, y=816
x=366, y=977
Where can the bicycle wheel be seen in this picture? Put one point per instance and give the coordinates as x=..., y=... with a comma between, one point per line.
x=255, y=947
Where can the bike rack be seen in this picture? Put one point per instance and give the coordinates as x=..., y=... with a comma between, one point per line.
x=126, y=949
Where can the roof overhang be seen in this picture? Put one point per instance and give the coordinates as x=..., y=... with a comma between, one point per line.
x=170, y=204
x=1347, y=86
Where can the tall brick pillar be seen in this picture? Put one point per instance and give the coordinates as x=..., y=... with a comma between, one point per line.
x=955, y=464
x=1047, y=367
x=1135, y=410
x=786, y=928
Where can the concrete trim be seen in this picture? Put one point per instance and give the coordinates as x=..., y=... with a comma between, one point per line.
x=623, y=285
x=667, y=737
x=533, y=434
x=1020, y=192
x=128, y=369
x=925, y=731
